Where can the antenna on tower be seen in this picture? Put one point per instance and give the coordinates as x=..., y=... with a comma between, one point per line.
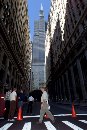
x=41, y=6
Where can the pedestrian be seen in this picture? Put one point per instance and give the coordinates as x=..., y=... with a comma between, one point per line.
x=13, y=97
x=30, y=103
x=7, y=103
x=45, y=106
x=21, y=98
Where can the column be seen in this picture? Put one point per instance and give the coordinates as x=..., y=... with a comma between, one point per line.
x=73, y=82
x=81, y=79
x=67, y=83
x=6, y=70
x=57, y=91
x=14, y=77
x=63, y=89
x=10, y=77
x=60, y=89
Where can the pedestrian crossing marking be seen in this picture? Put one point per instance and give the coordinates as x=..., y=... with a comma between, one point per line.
x=49, y=126
x=71, y=125
x=6, y=126
x=27, y=126
x=84, y=121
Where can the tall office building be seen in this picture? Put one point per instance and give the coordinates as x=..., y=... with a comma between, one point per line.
x=38, y=51
x=15, y=47
x=66, y=51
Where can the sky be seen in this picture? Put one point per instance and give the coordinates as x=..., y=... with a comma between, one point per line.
x=33, y=12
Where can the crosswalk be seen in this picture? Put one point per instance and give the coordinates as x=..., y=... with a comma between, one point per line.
x=27, y=126
x=66, y=124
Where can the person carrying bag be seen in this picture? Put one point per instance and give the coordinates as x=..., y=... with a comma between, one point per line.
x=45, y=106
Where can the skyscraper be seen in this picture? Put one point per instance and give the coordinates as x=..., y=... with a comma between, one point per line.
x=38, y=51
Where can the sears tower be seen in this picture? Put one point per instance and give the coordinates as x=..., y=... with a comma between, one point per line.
x=38, y=51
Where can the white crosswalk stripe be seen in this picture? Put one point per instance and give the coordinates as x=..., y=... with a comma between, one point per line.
x=84, y=121
x=71, y=125
x=6, y=126
x=27, y=126
x=49, y=126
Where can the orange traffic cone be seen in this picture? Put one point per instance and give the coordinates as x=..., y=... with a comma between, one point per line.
x=73, y=111
x=45, y=115
x=20, y=114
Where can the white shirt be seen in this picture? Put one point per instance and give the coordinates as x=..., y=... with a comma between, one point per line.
x=44, y=97
x=7, y=96
x=31, y=98
x=13, y=96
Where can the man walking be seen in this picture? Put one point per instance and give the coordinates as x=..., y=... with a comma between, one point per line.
x=7, y=103
x=45, y=106
x=30, y=100
x=21, y=98
x=13, y=97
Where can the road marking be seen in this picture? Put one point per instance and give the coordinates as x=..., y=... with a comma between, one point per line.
x=84, y=121
x=54, y=115
x=74, y=127
x=27, y=126
x=49, y=126
x=6, y=126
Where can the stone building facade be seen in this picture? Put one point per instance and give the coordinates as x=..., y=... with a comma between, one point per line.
x=66, y=51
x=15, y=50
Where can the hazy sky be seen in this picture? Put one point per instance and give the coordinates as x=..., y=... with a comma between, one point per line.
x=33, y=12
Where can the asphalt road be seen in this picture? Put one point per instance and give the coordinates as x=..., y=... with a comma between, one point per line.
x=62, y=114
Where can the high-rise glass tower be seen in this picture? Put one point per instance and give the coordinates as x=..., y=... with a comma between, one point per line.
x=38, y=51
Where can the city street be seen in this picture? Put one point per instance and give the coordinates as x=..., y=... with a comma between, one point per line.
x=43, y=64
x=63, y=119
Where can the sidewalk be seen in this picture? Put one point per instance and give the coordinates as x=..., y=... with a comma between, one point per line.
x=68, y=108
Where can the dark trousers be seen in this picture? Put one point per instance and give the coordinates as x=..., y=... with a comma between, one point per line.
x=30, y=107
x=12, y=109
x=7, y=106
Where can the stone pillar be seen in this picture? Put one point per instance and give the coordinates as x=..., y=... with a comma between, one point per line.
x=10, y=77
x=60, y=90
x=17, y=79
x=57, y=90
x=63, y=89
x=14, y=77
x=81, y=79
x=73, y=83
x=1, y=58
x=6, y=70
x=67, y=83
